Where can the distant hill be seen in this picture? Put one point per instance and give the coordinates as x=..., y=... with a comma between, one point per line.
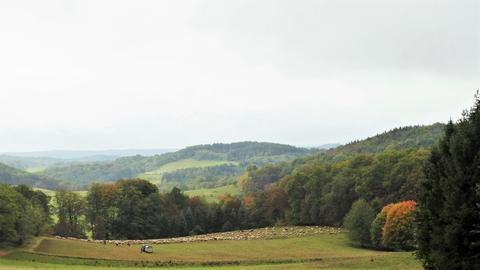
x=13, y=176
x=327, y=146
x=243, y=153
x=96, y=155
x=24, y=163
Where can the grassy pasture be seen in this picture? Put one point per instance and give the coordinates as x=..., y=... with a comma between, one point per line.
x=325, y=251
x=155, y=176
x=35, y=169
x=212, y=194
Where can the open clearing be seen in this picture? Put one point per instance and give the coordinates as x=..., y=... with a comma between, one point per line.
x=312, y=251
x=212, y=194
x=155, y=176
x=35, y=169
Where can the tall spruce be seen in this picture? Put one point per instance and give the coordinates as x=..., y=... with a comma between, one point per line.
x=448, y=216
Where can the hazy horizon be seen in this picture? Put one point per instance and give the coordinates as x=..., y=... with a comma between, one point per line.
x=98, y=75
x=25, y=153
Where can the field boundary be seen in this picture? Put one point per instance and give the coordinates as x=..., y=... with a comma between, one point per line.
x=67, y=260
x=251, y=234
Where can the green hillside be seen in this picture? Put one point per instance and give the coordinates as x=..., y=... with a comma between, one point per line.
x=404, y=138
x=13, y=176
x=394, y=143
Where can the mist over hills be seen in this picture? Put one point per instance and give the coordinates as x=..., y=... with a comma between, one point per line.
x=90, y=154
x=39, y=160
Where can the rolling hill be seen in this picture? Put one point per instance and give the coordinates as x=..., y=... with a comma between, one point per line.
x=207, y=166
x=241, y=154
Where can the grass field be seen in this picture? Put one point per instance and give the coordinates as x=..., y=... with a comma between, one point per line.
x=212, y=194
x=325, y=251
x=155, y=176
x=35, y=169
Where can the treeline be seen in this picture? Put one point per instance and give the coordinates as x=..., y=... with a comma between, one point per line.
x=23, y=213
x=135, y=209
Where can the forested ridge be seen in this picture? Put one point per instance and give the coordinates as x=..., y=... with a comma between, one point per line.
x=391, y=143
x=410, y=137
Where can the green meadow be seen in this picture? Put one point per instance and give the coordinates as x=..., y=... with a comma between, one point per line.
x=325, y=251
x=155, y=176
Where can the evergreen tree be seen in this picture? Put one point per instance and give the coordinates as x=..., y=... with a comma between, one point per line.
x=448, y=216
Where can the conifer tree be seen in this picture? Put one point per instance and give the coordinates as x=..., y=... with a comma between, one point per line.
x=448, y=217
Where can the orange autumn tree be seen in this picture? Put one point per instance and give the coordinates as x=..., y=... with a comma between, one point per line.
x=376, y=229
x=396, y=223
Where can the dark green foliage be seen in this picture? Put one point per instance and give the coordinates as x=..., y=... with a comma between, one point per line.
x=358, y=221
x=21, y=217
x=40, y=203
x=70, y=210
x=448, y=206
x=268, y=207
x=101, y=210
x=134, y=209
x=376, y=229
x=139, y=210
x=322, y=193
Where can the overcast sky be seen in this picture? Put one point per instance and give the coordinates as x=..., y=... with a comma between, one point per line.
x=151, y=74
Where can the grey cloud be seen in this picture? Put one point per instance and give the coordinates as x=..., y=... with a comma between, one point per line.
x=319, y=37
